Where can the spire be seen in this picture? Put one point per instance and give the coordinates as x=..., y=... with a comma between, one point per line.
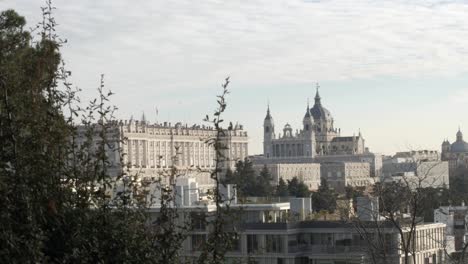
x=143, y=117
x=307, y=114
x=268, y=116
x=459, y=135
x=317, y=94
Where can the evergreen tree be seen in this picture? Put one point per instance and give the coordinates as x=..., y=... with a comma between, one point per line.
x=297, y=188
x=282, y=189
x=459, y=186
x=263, y=182
x=245, y=178
x=58, y=202
x=433, y=199
x=324, y=198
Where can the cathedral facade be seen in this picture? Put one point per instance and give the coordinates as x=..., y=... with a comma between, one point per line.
x=317, y=137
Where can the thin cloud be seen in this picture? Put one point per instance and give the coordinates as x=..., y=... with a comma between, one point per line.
x=148, y=49
x=262, y=41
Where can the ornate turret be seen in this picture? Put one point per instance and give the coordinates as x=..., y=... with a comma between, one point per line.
x=459, y=135
x=445, y=149
x=287, y=131
x=308, y=121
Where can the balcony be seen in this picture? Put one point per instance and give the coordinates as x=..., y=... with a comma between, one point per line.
x=324, y=249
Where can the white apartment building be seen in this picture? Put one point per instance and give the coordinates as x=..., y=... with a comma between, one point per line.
x=280, y=233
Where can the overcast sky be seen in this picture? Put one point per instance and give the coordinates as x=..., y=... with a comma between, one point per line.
x=396, y=70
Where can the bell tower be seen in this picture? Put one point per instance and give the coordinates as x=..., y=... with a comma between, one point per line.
x=308, y=133
x=268, y=134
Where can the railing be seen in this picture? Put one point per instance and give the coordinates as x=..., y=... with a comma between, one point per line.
x=326, y=249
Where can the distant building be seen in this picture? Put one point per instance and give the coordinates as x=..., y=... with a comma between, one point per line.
x=417, y=168
x=317, y=142
x=456, y=153
x=148, y=149
x=342, y=174
x=318, y=136
x=456, y=219
x=418, y=155
x=374, y=160
x=308, y=173
x=282, y=232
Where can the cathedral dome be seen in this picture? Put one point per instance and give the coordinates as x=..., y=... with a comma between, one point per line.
x=460, y=145
x=318, y=111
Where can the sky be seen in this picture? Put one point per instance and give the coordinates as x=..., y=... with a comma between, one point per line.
x=395, y=70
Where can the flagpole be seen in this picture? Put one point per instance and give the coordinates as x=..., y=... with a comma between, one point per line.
x=157, y=112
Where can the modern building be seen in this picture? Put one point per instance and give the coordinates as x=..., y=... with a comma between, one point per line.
x=147, y=150
x=456, y=220
x=283, y=233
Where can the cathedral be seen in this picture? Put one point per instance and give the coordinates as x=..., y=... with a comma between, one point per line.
x=318, y=136
x=456, y=153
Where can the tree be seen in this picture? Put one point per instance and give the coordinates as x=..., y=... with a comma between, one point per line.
x=459, y=185
x=222, y=232
x=32, y=133
x=403, y=204
x=297, y=188
x=229, y=178
x=324, y=198
x=58, y=201
x=282, y=189
x=353, y=192
x=263, y=183
x=434, y=198
x=245, y=178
